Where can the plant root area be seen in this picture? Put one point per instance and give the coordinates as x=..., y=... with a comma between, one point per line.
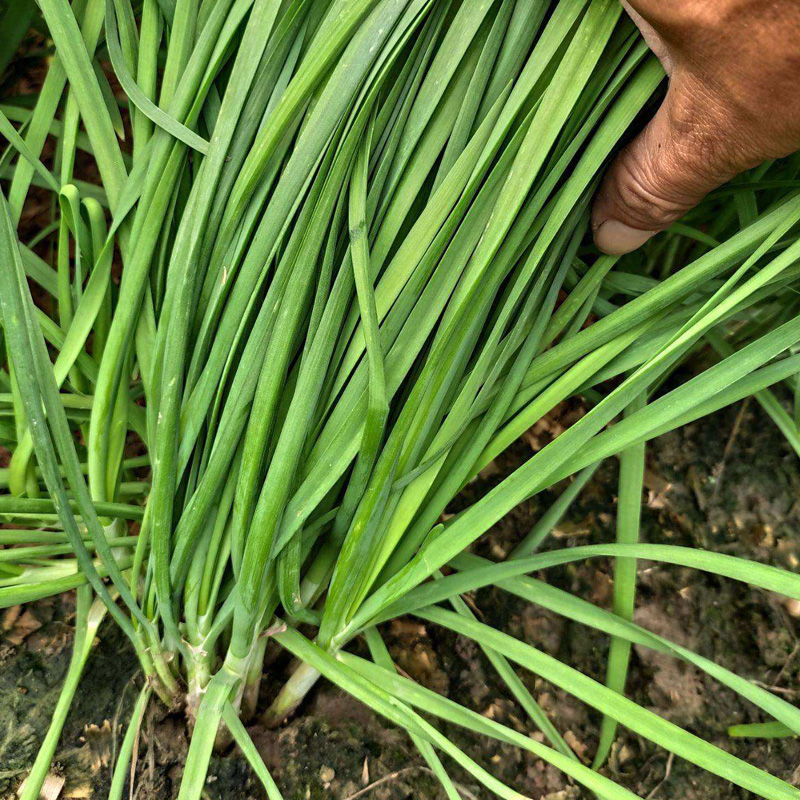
x=728, y=483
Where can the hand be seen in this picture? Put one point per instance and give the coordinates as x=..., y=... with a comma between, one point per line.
x=733, y=101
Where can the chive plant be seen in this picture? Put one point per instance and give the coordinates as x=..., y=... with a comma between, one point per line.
x=354, y=269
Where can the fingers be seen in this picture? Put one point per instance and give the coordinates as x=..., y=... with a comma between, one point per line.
x=680, y=157
x=650, y=35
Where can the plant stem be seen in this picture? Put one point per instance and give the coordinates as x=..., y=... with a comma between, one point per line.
x=253, y=680
x=87, y=621
x=126, y=751
x=209, y=716
x=291, y=695
x=631, y=477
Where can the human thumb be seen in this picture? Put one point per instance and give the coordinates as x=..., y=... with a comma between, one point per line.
x=665, y=171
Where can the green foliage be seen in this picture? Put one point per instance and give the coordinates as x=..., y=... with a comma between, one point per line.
x=355, y=267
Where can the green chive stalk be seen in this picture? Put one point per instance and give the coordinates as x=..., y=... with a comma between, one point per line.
x=355, y=268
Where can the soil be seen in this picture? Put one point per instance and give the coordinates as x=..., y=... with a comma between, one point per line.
x=728, y=483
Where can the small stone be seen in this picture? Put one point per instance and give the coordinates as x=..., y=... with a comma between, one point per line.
x=326, y=774
x=625, y=754
x=793, y=607
x=577, y=746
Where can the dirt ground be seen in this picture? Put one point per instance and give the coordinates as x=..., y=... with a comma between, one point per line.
x=729, y=483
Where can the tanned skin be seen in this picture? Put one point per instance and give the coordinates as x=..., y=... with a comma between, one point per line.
x=733, y=102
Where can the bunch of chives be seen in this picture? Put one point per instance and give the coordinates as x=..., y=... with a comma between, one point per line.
x=354, y=270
